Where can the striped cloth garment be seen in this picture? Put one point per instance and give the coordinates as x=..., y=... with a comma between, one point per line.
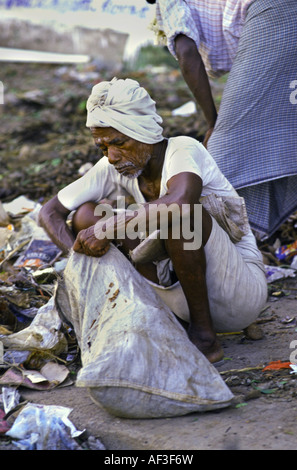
x=214, y=25
x=255, y=138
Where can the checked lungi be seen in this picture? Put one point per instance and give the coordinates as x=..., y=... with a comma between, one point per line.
x=255, y=138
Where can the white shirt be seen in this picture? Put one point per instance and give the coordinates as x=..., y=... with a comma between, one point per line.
x=183, y=154
x=214, y=25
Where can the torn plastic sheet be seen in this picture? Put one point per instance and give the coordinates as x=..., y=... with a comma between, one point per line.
x=186, y=109
x=273, y=273
x=10, y=398
x=43, y=333
x=44, y=427
x=20, y=205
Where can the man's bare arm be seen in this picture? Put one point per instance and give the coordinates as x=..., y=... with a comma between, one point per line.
x=193, y=70
x=52, y=217
x=183, y=189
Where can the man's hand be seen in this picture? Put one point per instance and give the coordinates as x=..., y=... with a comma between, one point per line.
x=207, y=137
x=87, y=243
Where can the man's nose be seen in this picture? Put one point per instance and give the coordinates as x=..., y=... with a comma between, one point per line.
x=113, y=156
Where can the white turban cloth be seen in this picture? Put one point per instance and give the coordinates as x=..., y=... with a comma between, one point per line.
x=127, y=107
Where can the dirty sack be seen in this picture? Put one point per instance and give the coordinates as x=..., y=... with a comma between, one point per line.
x=137, y=360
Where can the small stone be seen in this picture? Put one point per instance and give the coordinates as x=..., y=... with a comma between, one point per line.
x=253, y=331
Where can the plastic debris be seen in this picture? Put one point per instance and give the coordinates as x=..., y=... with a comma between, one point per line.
x=185, y=110
x=294, y=367
x=38, y=254
x=41, y=427
x=273, y=273
x=10, y=398
x=277, y=365
x=4, y=218
x=12, y=357
x=4, y=426
x=286, y=252
x=42, y=334
x=294, y=263
x=20, y=205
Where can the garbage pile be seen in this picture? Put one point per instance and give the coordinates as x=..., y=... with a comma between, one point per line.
x=280, y=253
x=37, y=351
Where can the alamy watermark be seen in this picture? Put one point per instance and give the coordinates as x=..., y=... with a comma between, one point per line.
x=173, y=220
x=1, y=93
x=293, y=355
x=293, y=94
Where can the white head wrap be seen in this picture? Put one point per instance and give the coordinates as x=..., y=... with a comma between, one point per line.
x=127, y=107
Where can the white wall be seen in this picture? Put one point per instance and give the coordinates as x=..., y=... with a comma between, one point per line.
x=127, y=16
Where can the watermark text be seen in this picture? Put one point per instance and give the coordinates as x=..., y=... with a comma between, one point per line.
x=137, y=221
x=293, y=94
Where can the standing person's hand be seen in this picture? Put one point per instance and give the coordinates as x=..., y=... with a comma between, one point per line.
x=207, y=136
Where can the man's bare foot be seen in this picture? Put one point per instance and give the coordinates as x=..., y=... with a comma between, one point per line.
x=210, y=347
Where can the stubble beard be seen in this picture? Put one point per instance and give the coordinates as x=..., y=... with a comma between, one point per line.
x=145, y=158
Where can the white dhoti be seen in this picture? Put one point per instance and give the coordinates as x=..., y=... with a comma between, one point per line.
x=236, y=282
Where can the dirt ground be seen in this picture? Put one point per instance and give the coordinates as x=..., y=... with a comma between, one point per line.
x=263, y=415
x=43, y=143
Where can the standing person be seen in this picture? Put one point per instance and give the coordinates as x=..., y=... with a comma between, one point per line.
x=253, y=137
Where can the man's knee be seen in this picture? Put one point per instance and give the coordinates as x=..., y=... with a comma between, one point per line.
x=84, y=217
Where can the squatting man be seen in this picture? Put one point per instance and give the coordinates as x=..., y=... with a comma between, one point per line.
x=216, y=286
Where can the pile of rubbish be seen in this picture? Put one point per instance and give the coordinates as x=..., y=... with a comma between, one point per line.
x=37, y=350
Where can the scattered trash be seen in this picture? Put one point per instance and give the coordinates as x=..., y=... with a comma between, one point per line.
x=294, y=263
x=286, y=252
x=20, y=205
x=10, y=398
x=288, y=319
x=4, y=218
x=41, y=427
x=294, y=367
x=38, y=254
x=4, y=426
x=185, y=110
x=43, y=333
x=277, y=365
x=274, y=273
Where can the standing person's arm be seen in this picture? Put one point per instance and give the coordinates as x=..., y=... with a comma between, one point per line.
x=193, y=70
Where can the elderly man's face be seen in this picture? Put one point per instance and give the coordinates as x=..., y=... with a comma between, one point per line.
x=128, y=156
